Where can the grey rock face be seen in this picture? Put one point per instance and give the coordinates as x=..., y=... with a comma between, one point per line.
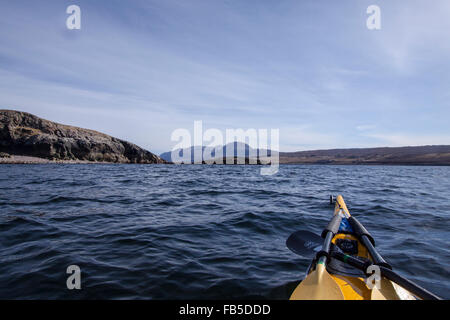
x=22, y=133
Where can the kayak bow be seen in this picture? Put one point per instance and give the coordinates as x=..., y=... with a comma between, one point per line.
x=338, y=271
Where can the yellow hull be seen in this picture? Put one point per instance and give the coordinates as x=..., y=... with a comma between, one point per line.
x=355, y=288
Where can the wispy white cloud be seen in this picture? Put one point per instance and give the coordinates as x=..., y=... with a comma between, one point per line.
x=405, y=139
x=142, y=69
x=365, y=127
x=412, y=33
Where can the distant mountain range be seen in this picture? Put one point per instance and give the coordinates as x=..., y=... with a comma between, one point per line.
x=24, y=134
x=233, y=148
x=420, y=155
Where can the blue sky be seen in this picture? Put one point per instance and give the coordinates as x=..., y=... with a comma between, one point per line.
x=140, y=69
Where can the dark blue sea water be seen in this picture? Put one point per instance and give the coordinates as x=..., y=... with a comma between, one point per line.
x=206, y=232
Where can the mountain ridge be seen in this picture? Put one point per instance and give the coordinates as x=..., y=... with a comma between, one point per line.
x=407, y=155
x=248, y=152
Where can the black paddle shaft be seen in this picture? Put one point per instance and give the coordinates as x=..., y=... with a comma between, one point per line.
x=328, y=234
x=368, y=242
x=388, y=274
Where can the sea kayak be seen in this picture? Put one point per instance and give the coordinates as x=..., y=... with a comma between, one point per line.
x=341, y=269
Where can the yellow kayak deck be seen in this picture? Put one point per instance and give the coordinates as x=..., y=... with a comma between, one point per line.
x=354, y=287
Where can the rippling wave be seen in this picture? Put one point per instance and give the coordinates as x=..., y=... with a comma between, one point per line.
x=205, y=232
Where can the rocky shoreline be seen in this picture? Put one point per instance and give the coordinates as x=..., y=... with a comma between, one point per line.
x=18, y=159
x=30, y=139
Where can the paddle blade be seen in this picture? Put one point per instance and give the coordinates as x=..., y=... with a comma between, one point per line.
x=318, y=285
x=386, y=291
x=304, y=243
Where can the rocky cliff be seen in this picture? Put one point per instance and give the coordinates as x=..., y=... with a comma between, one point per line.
x=25, y=134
